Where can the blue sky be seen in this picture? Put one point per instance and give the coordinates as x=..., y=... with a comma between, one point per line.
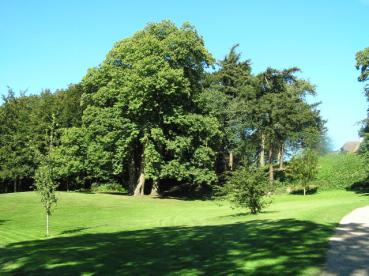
x=49, y=44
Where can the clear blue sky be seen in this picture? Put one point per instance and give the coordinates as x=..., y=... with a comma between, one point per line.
x=49, y=44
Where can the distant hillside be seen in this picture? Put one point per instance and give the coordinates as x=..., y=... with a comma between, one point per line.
x=340, y=170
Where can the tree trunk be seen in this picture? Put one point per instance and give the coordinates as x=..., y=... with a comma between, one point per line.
x=132, y=176
x=140, y=188
x=47, y=224
x=154, y=190
x=140, y=184
x=262, y=151
x=304, y=190
x=143, y=185
x=230, y=163
x=15, y=185
x=67, y=187
x=281, y=157
x=271, y=169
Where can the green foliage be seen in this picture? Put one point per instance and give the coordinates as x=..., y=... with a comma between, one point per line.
x=17, y=151
x=68, y=159
x=46, y=187
x=226, y=98
x=140, y=108
x=107, y=188
x=341, y=170
x=246, y=188
x=362, y=64
x=151, y=112
x=364, y=149
x=281, y=112
x=26, y=123
x=304, y=167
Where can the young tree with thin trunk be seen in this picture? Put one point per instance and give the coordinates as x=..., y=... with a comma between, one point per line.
x=304, y=168
x=46, y=187
x=44, y=179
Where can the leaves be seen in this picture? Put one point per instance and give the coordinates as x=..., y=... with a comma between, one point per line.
x=304, y=167
x=140, y=104
x=152, y=109
x=46, y=187
x=246, y=188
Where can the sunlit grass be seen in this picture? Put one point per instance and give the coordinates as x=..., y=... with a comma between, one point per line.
x=118, y=234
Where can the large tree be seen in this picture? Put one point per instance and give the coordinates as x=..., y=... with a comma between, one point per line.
x=280, y=115
x=362, y=64
x=266, y=114
x=141, y=113
x=226, y=98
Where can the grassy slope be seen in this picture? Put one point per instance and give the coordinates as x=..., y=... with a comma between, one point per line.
x=340, y=170
x=111, y=233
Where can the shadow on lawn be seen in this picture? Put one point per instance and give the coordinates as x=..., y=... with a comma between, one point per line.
x=361, y=187
x=243, y=214
x=75, y=230
x=257, y=247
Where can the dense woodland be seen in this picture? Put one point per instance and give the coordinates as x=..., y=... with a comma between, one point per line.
x=160, y=115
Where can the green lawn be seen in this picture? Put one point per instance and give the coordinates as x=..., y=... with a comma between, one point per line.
x=114, y=234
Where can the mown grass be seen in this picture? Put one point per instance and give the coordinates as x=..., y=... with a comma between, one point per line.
x=115, y=234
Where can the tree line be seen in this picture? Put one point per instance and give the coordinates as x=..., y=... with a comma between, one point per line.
x=362, y=64
x=159, y=115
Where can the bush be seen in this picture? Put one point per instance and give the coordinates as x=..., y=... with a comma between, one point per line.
x=341, y=170
x=107, y=188
x=246, y=188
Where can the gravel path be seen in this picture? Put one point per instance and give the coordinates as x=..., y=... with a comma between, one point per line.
x=349, y=247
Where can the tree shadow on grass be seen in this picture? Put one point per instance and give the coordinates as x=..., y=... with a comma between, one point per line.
x=361, y=187
x=309, y=191
x=113, y=193
x=243, y=214
x=282, y=247
x=2, y=221
x=75, y=230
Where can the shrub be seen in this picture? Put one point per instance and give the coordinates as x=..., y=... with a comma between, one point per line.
x=246, y=188
x=107, y=188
